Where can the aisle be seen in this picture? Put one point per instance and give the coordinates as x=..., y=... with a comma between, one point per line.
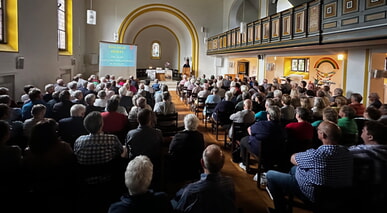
x=248, y=196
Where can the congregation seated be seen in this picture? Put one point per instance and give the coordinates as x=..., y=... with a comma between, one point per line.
x=11, y=180
x=62, y=108
x=35, y=98
x=166, y=106
x=348, y=125
x=140, y=104
x=16, y=133
x=243, y=116
x=99, y=157
x=329, y=165
x=90, y=99
x=38, y=112
x=69, y=129
x=213, y=192
x=15, y=112
x=139, y=197
x=50, y=169
x=266, y=139
x=370, y=169
x=299, y=135
x=146, y=140
x=185, y=152
x=226, y=106
x=114, y=121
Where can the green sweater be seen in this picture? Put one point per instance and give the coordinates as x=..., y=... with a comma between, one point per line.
x=348, y=126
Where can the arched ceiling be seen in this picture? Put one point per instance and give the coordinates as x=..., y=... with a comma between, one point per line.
x=162, y=15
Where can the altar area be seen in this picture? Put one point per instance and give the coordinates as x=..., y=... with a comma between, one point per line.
x=160, y=74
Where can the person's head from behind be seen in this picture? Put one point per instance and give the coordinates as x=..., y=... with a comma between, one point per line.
x=64, y=95
x=329, y=133
x=93, y=122
x=373, y=97
x=330, y=114
x=43, y=135
x=166, y=96
x=191, y=122
x=90, y=99
x=286, y=99
x=138, y=175
x=212, y=159
x=247, y=104
x=77, y=110
x=228, y=96
x=101, y=94
x=347, y=111
x=338, y=92
x=38, y=111
x=5, y=99
x=34, y=94
x=374, y=133
x=144, y=117
x=273, y=113
x=141, y=102
x=27, y=88
x=372, y=113
x=303, y=113
x=341, y=101
x=113, y=103
x=305, y=103
x=356, y=98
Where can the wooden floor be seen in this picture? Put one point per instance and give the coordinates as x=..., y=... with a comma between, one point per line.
x=249, y=197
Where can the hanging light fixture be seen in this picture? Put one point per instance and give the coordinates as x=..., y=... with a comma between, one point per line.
x=91, y=15
x=243, y=23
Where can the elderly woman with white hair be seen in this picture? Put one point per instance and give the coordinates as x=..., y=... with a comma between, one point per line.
x=138, y=178
x=185, y=151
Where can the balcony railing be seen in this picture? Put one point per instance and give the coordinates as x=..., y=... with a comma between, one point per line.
x=313, y=23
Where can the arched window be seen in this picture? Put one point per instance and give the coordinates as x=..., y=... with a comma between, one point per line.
x=156, y=50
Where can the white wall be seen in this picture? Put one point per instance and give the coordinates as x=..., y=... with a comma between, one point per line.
x=356, y=69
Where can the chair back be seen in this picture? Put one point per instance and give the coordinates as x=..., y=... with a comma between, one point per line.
x=168, y=124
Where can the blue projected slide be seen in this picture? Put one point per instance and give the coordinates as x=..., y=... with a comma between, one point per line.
x=117, y=55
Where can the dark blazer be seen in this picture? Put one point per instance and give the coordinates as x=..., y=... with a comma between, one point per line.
x=185, y=152
x=71, y=128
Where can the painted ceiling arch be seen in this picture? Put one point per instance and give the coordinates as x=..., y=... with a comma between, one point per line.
x=171, y=18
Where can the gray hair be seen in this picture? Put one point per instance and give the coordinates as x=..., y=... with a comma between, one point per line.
x=228, y=96
x=191, y=122
x=77, y=110
x=138, y=175
x=274, y=113
x=93, y=122
x=90, y=98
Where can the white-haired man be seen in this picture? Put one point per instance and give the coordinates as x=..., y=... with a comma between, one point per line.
x=138, y=177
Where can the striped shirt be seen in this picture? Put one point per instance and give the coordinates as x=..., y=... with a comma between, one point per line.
x=329, y=165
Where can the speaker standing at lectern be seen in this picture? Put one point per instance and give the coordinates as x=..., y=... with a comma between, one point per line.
x=186, y=63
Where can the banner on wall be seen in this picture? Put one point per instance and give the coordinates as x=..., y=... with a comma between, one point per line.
x=117, y=59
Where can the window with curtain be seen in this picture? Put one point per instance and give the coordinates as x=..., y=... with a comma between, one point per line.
x=2, y=20
x=62, y=44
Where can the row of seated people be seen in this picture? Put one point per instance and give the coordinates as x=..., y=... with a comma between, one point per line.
x=119, y=113
x=52, y=176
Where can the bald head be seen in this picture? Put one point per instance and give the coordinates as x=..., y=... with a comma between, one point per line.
x=213, y=159
x=329, y=133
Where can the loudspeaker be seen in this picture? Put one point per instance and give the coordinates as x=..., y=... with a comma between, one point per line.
x=20, y=62
x=91, y=17
x=260, y=57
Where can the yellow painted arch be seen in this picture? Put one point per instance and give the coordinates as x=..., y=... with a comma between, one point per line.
x=173, y=11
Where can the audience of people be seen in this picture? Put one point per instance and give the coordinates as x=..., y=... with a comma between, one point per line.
x=68, y=128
